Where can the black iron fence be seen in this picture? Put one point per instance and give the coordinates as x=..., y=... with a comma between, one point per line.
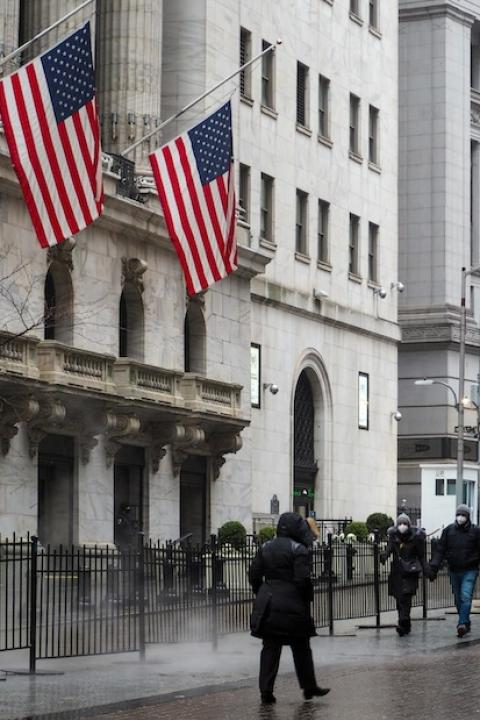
x=65, y=602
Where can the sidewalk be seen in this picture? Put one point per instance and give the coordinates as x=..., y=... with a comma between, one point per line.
x=177, y=670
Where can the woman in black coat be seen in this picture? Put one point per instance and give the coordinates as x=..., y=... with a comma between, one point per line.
x=406, y=545
x=280, y=578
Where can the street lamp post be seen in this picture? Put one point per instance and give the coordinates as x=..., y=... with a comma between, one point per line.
x=461, y=381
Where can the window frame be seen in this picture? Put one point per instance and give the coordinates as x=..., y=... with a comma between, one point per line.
x=244, y=190
x=268, y=77
x=354, y=134
x=373, y=15
x=323, y=239
x=267, y=185
x=301, y=222
x=245, y=53
x=373, y=235
x=373, y=134
x=354, y=245
x=302, y=118
x=324, y=107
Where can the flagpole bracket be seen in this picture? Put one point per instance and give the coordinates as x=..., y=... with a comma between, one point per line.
x=126, y=185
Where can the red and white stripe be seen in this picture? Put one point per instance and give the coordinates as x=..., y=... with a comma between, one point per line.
x=200, y=219
x=58, y=164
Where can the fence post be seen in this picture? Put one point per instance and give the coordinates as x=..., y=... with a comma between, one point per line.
x=141, y=595
x=213, y=560
x=376, y=577
x=425, y=599
x=330, y=582
x=33, y=604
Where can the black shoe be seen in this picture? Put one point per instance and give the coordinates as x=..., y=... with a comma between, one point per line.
x=400, y=630
x=268, y=698
x=461, y=630
x=315, y=692
x=469, y=628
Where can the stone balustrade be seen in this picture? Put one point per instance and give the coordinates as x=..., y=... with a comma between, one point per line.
x=18, y=355
x=147, y=382
x=64, y=365
x=204, y=395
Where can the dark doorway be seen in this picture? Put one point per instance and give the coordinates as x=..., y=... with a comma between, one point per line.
x=55, y=490
x=305, y=466
x=193, y=499
x=128, y=495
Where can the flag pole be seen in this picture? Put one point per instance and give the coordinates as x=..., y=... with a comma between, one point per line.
x=270, y=48
x=27, y=44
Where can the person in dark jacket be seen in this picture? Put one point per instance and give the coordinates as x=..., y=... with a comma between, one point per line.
x=280, y=578
x=406, y=545
x=459, y=545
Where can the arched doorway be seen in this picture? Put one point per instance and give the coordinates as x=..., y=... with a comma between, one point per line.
x=58, y=304
x=304, y=464
x=131, y=323
x=195, y=340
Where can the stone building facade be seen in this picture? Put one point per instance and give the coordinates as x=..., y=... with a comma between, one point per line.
x=277, y=387
x=439, y=211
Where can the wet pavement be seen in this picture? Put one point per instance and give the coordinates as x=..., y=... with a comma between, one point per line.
x=373, y=675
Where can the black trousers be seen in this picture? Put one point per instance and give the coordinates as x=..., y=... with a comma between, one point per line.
x=270, y=660
x=404, y=606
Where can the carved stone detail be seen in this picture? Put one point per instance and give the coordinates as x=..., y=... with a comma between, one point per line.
x=133, y=270
x=12, y=412
x=221, y=444
x=116, y=427
x=164, y=434
x=194, y=438
x=50, y=417
x=62, y=253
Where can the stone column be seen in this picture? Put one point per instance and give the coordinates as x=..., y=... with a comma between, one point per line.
x=129, y=64
x=36, y=15
x=9, y=22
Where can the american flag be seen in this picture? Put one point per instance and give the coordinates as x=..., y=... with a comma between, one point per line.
x=52, y=130
x=195, y=182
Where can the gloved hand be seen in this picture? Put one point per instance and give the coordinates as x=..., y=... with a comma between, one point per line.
x=383, y=558
x=431, y=573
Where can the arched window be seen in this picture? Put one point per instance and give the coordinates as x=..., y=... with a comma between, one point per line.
x=131, y=323
x=305, y=466
x=195, y=340
x=58, y=304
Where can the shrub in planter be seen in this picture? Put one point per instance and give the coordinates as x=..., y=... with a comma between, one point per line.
x=233, y=533
x=359, y=529
x=265, y=534
x=380, y=522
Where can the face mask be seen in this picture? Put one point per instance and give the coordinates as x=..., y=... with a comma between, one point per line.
x=461, y=519
x=402, y=528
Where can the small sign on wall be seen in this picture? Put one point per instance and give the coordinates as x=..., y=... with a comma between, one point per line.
x=363, y=399
x=255, y=374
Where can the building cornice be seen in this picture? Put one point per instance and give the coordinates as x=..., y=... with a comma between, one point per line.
x=330, y=313
x=412, y=11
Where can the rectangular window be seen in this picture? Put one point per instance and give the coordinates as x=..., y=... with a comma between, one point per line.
x=372, y=252
x=301, y=223
x=245, y=56
x=373, y=134
x=439, y=486
x=266, y=207
x=354, y=120
x=323, y=106
x=302, y=94
x=373, y=14
x=354, y=7
x=268, y=76
x=322, y=231
x=255, y=374
x=353, y=244
x=244, y=193
x=451, y=486
x=363, y=401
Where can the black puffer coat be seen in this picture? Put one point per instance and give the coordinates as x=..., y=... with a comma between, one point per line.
x=409, y=547
x=280, y=578
x=459, y=545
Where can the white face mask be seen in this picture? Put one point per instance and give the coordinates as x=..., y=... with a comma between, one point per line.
x=461, y=519
x=402, y=528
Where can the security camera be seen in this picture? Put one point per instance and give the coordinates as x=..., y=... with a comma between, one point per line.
x=381, y=292
x=319, y=294
x=272, y=387
x=398, y=285
x=397, y=415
